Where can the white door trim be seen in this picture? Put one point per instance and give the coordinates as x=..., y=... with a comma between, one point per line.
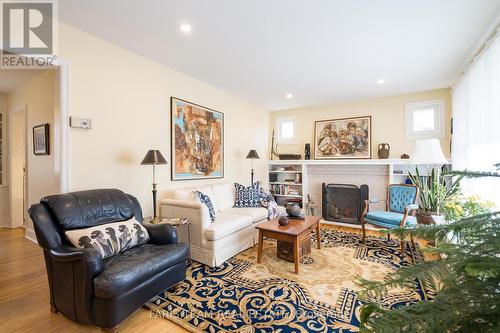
x=14, y=207
x=64, y=155
x=64, y=125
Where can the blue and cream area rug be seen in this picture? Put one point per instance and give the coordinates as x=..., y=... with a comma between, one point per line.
x=243, y=296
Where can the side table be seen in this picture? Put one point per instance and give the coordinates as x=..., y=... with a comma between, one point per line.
x=176, y=222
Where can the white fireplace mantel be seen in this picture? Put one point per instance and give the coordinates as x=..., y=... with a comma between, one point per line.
x=389, y=161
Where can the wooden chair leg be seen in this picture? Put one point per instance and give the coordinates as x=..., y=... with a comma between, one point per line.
x=402, y=247
x=110, y=330
x=414, y=248
x=53, y=308
x=364, y=231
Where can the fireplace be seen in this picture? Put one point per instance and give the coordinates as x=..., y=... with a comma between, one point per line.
x=343, y=202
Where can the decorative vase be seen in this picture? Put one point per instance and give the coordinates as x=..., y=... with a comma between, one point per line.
x=383, y=150
x=425, y=217
x=283, y=221
x=293, y=209
x=307, y=152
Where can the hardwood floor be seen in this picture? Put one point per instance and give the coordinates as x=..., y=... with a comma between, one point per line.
x=24, y=294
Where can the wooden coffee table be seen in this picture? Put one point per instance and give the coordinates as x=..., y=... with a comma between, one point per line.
x=295, y=232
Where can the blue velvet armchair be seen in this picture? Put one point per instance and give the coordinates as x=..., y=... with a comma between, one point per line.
x=399, y=211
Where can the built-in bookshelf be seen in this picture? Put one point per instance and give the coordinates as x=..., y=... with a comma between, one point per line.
x=399, y=172
x=286, y=182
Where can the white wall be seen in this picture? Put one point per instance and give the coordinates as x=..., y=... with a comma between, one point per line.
x=39, y=95
x=128, y=99
x=388, y=114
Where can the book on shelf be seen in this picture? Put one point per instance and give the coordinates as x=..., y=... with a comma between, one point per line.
x=281, y=189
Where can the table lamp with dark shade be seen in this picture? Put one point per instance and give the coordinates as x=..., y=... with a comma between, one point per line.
x=154, y=158
x=252, y=154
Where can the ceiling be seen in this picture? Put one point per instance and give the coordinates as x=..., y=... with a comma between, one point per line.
x=322, y=51
x=10, y=79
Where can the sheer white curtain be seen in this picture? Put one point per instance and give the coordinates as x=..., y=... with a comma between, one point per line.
x=476, y=123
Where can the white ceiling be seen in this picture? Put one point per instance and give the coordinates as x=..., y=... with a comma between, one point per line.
x=10, y=79
x=322, y=51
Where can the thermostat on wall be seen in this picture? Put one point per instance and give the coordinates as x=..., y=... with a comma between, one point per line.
x=77, y=122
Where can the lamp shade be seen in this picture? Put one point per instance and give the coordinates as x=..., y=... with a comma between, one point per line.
x=153, y=157
x=252, y=154
x=428, y=151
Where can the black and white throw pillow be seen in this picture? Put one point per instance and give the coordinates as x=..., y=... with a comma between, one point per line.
x=205, y=200
x=247, y=196
x=111, y=238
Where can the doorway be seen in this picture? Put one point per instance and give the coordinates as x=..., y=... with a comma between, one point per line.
x=29, y=99
x=18, y=167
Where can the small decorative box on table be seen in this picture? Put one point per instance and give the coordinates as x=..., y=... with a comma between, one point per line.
x=285, y=249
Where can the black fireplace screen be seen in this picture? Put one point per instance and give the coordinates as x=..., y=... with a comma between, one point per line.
x=343, y=202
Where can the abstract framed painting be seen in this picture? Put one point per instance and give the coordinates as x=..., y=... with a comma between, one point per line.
x=346, y=138
x=41, y=140
x=197, y=136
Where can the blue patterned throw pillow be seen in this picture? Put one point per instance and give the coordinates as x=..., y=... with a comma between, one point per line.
x=205, y=199
x=247, y=196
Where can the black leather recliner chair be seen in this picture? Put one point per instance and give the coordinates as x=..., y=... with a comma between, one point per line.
x=86, y=288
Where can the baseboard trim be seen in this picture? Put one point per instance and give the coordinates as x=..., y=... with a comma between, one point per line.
x=30, y=235
x=4, y=223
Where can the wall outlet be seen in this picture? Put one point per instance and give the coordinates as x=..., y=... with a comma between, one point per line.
x=78, y=122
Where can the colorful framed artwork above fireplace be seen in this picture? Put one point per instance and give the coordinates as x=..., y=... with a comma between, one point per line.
x=346, y=138
x=197, y=135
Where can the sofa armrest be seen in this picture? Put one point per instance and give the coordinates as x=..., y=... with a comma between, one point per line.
x=193, y=210
x=181, y=203
x=161, y=234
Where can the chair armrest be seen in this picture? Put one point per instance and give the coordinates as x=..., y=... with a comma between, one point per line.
x=412, y=207
x=90, y=258
x=161, y=234
x=71, y=279
x=408, y=209
x=372, y=201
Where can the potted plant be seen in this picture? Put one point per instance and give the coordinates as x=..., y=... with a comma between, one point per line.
x=435, y=190
x=464, y=282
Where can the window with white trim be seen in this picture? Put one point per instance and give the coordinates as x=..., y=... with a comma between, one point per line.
x=424, y=120
x=285, y=130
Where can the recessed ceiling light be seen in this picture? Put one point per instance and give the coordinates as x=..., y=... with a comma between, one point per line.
x=185, y=28
x=380, y=81
x=289, y=96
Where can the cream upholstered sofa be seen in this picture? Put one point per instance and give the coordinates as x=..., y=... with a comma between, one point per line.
x=232, y=231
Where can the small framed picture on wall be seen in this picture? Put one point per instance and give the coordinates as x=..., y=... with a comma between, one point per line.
x=41, y=140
